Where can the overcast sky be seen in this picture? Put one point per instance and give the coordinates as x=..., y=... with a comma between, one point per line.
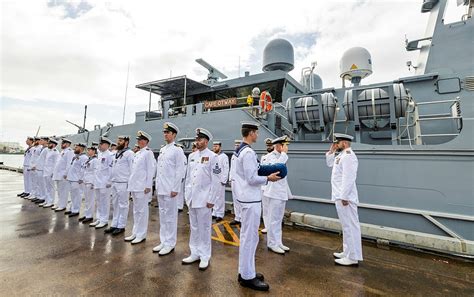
x=57, y=56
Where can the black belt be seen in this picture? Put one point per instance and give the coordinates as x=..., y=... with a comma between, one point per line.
x=259, y=201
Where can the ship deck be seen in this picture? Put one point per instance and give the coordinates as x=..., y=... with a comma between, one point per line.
x=47, y=253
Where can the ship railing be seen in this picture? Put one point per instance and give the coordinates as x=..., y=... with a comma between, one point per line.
x=455, y=114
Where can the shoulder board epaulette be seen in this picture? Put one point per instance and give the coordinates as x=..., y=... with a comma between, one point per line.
x=147, y=149
x=176, y=145
x=348, y=152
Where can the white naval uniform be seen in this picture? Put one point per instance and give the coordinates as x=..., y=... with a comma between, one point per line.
x=237, y=207
x=265, y=200
x=276, y=193
x=102, y=193
x=170, y=171
x=222, y=170
x=119, y=174
x=27, y=170
x=90, y=168
x=199, y=191
x=343, y=184
x=59, y=173
x=141, y=177
x=39, y=171
x=36, y=191
x=75, y=175
x=249, y=192
x=52, y=158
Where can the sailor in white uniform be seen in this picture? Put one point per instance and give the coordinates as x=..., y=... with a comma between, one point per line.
x=90, y=167
x=35, y=152
x=276, y=194
x=202, y=175
x=140, y=184
x=223, y=164
x=248, y=186
x=170, y=170
x=52, y=158
x=344, y=194
x=120, y=168
x=265, y=202
x=60, y=174
x=75, y=176
x=235, y=203
x=26, y=168
x=101, y=179
x=37, y=167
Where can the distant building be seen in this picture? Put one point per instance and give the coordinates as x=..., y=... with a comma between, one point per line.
x=10, y=148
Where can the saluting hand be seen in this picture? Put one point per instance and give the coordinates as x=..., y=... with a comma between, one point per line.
x=333, y=148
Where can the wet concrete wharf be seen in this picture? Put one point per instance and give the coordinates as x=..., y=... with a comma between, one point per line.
x=43, y=253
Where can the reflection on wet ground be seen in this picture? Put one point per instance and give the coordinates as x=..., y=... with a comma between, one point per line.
x=47, y=253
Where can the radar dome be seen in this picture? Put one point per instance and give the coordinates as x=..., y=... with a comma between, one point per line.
x=355, y=64
x=311, y=81
x=278, y=55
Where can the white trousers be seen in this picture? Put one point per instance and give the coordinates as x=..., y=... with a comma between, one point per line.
x=249, y=239
x=168, y=209
x=140, y=214
x=351, y=237
x=50, y=191
x=219, y=208
x=276, y=211
x=34, y=183
x=63, y=192
x=237, y=207
x=102, y=198
x=27, y=179
x=200, y=220
x=76, y=190
x=89, y=199
x=265, y=211
x=180, y=197
x=41, y=185
x=120, y=205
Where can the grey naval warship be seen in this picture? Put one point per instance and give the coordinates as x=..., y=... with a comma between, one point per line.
x=413, y=135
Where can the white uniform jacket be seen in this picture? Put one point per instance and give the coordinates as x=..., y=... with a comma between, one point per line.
x=222, y=169
x=343, y=177
x=52, y=158
x=103, y=170
x=65, y=158
x=143, y=171
x=76, y=169
x=247, y=181
x=279, y=189
x=90, y=168
x=122, y=166
x=170, y=169
x=201, y=178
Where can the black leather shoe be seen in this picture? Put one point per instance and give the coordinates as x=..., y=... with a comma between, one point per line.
x=39, y=201
x=255, y=284
x=257, y=275
x=34, y=200
x=82, y=219
x=87, y=220
x=218, y=219
x=73, y=214
x=25, y=195
x=214, y=217
x=21, y=194
x=67, y=212
x=180, y=210
x=117, y=231
x=109, y=230
x=234, y=223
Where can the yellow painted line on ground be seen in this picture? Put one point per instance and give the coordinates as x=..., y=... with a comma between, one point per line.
x=231, y=232
x=220, y=237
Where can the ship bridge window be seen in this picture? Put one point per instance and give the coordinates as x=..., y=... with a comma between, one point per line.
x=274, y=87
x=291, y=88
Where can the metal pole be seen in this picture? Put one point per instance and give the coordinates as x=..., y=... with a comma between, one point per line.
x=126, y=89
x=149, y=101
x=85, y=116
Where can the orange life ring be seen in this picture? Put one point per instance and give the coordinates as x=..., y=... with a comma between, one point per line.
x=266, y=101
